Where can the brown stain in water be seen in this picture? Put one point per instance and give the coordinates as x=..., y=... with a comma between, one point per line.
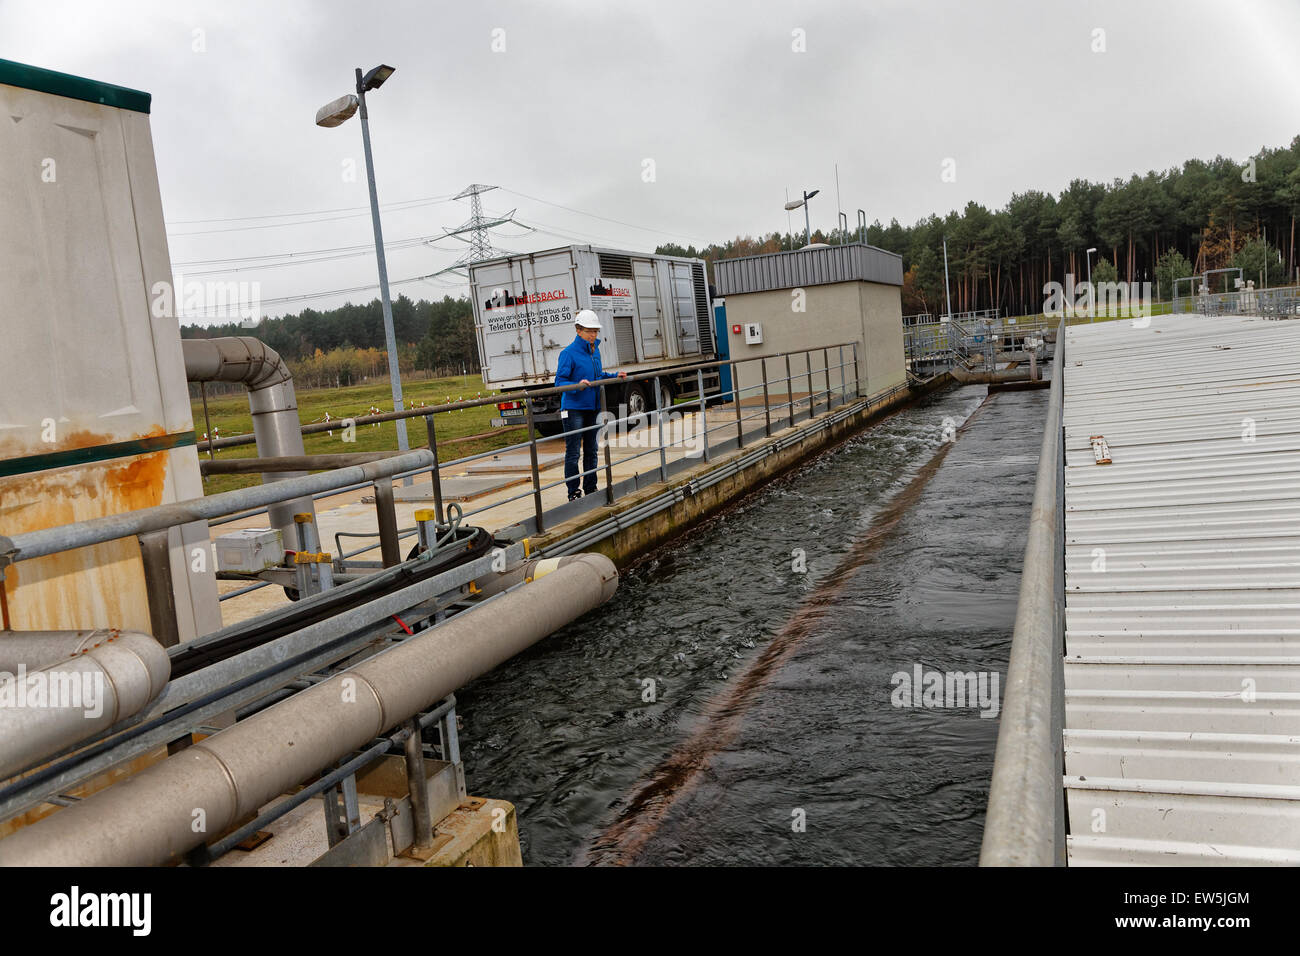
x=99, y=586
x=622, y=842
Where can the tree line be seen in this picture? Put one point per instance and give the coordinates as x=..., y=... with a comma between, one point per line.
x=346, y=345
x=1154, y=228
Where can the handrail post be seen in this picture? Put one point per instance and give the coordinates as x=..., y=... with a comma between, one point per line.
x=826, y=368
x=390, y=548
x=704, y=418
x=609, y=468
x=434, y=471
x=844, y=392
x=155, y=556
x=789, y=389
x=807, y=361
x=767, y=407
x=857, y=373
x=659, y=422
x=740, y=424
x=532, y=456
x=417, y=786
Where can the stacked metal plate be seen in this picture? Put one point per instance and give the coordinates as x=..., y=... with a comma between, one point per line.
x=1182, y=670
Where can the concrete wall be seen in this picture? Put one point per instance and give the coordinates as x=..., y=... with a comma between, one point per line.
x=882, y=321
x=868, y=313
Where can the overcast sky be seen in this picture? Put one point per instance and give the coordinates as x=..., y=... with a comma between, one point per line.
x=715, y=94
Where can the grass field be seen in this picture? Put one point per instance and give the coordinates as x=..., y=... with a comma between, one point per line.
x=229, y=416
x=1103, y=315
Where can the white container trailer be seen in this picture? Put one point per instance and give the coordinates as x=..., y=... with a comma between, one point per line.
x=655, y=313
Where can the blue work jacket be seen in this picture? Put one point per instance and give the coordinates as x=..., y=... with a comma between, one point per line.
x=578, y=361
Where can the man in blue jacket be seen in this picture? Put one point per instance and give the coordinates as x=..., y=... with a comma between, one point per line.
x=580, y=365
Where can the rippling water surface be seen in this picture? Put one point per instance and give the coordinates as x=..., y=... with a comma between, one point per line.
x=772, y=686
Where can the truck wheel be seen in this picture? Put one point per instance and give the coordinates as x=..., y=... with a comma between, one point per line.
x=638, y=402
x=548, y=429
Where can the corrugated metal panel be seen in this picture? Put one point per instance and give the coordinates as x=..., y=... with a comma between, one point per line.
x=854, y=262
x=1182, y=674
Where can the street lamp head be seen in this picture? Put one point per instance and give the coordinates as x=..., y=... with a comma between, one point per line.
x=794, y=204
x=1093, y=249
x=375, y=78
x=340, y=111
x=811, y=194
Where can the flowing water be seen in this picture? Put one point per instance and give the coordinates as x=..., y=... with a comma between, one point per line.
x=742, y=700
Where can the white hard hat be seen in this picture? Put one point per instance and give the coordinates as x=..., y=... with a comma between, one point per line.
x=587, y=319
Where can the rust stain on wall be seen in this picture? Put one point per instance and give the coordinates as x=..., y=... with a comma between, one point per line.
x=99, y=586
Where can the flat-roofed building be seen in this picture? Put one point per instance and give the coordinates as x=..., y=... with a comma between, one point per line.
x=817, y=297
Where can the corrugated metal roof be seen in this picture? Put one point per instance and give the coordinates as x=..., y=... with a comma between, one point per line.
x=1182, y=673
x=852, y=262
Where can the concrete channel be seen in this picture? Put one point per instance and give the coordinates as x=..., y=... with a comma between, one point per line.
x=773, y=688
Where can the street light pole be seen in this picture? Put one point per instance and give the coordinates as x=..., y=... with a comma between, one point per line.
x=807, y=222
x=394, y=371
x=947, y=296
x=1092, y=298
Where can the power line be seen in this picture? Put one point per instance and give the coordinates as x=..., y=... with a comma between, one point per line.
x=395, y=207
x=305, y=258
x=620, y=222
x=477, y=226
x=303, y=252
x=280, y=300
x=313, y=212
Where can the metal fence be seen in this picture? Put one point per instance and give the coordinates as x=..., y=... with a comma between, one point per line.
x=1280, y=302
x=767, y=393
x=1025, y=825
x=935, y=345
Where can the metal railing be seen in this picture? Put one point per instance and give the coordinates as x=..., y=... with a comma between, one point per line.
x=150, y=525
x=768, y=392
x=1025, y=825
x=1283, y=301
x=960, y=342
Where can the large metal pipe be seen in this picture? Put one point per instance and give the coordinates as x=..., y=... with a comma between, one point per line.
x=191, y=797
x=968, y=377
x=271, y=399
x=93, y=680
x=36, y=649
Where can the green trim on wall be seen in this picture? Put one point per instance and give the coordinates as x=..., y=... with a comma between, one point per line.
x=76, y=87
x=94, y=453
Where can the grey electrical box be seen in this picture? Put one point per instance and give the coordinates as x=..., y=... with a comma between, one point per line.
x=249, y=550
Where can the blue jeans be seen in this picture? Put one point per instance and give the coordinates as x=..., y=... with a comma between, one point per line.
x=575, y=419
